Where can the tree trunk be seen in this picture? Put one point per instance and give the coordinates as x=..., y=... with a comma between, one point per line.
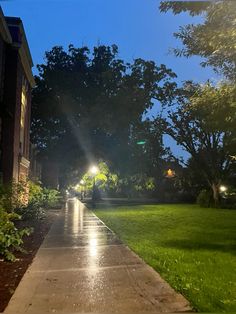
x=216, y=194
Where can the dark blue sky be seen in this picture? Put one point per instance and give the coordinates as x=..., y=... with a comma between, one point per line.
x=136, y=26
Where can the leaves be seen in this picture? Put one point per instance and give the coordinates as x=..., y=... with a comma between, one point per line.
x=204, y=124
x=214, y=39
x=86, y=103
x=10, y=236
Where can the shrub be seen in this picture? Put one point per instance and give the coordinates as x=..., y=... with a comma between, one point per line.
x=27, y=198
x=50, y=197
x=30, y=212
x=205, y=198
x=228, y=200
x=39, y=200
x=33, y=208
x=10, y=236
x=14, y=195
x=35, y=193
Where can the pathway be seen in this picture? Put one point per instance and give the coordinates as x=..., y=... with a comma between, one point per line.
x=82, y=267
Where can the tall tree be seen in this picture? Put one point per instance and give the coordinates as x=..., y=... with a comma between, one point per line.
x=204, y=124
x=86, y=103
x=214, y=39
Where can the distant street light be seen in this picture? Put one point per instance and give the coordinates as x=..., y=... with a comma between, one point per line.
x=170, y=173
x=94, y=170
x=223, y=188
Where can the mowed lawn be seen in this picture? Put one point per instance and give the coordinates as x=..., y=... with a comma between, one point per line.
x=191, y=247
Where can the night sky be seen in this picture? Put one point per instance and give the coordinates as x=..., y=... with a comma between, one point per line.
x=136, y=26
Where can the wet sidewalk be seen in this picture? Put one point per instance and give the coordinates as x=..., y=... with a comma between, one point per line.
x=82, y=267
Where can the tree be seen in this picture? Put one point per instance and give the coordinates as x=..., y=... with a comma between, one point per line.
x=105, y=179
x=85, y=105
x=204, y=124
x=214, y=39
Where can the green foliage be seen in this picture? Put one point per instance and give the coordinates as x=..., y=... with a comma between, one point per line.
x=13, y=195
x=31, y=211
x=11, y=238
x=214, y=39
x=27, y=198
x=138, y=185
x=205, y=199
x=192, y=248
x=105, y=179
x=22, y=200
x=150, y=184
x=36, y=195
x=193, y=7
x=50, y=197
x=203, y=123
x=42, y=196
x=39, y=200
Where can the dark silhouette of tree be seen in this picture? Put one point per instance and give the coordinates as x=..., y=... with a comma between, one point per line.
x=204, y=124
x=86, y=104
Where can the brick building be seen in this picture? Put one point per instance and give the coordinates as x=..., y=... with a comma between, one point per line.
x=16, y=81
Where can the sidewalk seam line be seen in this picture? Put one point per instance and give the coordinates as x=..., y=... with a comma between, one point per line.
x=125, y=266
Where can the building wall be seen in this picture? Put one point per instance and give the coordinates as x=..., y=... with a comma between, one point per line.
x=2, y=70
x=9, y=114
x=15, y=73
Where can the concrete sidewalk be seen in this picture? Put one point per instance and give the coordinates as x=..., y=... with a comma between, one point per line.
x=82, y=267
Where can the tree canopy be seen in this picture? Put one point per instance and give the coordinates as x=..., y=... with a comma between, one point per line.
x=89, y=105
x=214, y=39
x=204, y=124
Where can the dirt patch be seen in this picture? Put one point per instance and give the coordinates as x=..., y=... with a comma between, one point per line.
x=12, y=272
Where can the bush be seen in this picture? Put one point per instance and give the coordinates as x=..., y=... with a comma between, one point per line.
x=39, y=200
x=27, y=198
x=35, y=193
x=10, y=236
x=14, y=195
x=50, y=197
x=228, y=200
x=21, y=200
x=33, y=208
x=205, y=199
x=31, y=212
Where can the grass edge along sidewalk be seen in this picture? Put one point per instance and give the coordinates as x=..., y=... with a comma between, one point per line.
x=192, y=248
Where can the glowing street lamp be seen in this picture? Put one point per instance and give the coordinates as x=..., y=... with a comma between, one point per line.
x=94, y=170
x=170, y=173
x=223, y=188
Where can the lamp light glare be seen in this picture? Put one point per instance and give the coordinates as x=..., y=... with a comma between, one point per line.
x=94, y=169
x=223, y=188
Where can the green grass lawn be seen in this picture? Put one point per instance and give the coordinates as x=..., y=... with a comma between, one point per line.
x=191, y=247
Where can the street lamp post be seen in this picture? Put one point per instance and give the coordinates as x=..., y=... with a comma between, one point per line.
x=94, y=171
x=82, y=185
